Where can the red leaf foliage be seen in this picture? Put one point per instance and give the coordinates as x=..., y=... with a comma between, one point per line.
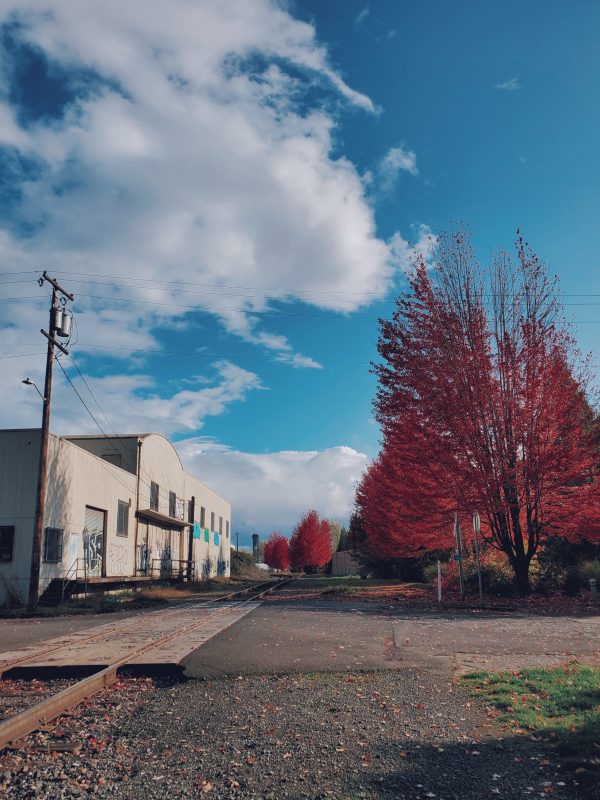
x=277, y=551
x=481, y=401
x=310, y=545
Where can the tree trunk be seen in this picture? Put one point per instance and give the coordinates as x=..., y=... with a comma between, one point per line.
x=521, y=568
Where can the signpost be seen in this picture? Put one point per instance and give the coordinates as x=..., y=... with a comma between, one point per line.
x=458, y=556
x=477, y=529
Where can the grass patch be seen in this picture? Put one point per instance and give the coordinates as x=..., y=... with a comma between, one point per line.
x=561, y=706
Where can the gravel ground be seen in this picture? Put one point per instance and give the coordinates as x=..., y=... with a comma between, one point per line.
x=18, y=695
x=387, y=734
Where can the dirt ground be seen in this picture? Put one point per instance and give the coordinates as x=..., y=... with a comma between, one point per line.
x=313, y=698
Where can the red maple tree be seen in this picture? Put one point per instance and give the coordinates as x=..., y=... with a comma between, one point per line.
x=481, y=401
x=310, y=545
x=277, y=551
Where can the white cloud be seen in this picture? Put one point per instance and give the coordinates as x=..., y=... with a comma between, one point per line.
x=188, y=165
x=198, y=156
x=362, y=16
x=405, y=251
x=510, y=85
x=271, y=490
x=396, y=160
x=131, y=402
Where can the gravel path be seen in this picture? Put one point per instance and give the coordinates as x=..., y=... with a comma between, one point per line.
x=19, y=695
x=387, y=734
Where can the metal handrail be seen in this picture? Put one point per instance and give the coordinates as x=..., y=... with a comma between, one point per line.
x=68, y=577
x=173, y=568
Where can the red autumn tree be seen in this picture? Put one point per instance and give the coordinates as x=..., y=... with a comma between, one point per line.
x=277, y=551
x=481, y=401
x=310, y=545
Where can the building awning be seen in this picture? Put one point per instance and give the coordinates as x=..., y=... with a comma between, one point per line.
x=163, y=519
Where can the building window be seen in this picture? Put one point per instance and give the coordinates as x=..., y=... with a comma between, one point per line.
x=172, y=504
x=153, y=496
x=7, y=541
x=191, y=509
x=212, y=520
x=220, y=526
x=53, y=544
x=227, y=529
x=123, y=518
x=202, y=517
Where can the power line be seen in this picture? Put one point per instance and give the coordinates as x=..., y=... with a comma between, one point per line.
x=216, y=285
x=274, y=314
x=22, y=355
x=108, y=438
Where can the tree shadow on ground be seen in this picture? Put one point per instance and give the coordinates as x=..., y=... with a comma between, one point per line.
x=513, y=768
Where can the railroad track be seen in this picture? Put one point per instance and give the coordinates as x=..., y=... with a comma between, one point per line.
x=29, y=720
x=130, y=624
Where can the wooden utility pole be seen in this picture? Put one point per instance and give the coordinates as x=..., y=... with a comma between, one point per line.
x=38, y=525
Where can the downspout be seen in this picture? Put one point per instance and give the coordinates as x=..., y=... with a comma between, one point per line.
x=137, y=506
x=191, y=515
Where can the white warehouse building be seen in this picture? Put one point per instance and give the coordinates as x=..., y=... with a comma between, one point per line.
x=118, y=509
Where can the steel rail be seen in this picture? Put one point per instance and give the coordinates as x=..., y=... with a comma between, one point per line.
x=15, y=728
x=127, y=624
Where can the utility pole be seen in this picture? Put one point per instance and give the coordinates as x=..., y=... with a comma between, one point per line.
x=60, y=323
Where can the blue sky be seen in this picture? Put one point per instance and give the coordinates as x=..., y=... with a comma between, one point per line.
x=231, y=190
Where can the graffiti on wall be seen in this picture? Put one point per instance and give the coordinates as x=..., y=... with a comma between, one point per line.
x=117, y=559
x=92, y=551
x=165, y=562
x=143, y=556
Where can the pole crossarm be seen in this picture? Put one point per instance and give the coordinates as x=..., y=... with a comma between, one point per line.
x=53, y=282
x=54, y=342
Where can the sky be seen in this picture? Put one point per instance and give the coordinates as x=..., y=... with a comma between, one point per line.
x=233, y=189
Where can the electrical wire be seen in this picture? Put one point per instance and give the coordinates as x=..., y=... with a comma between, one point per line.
x=84, y=404
x=22, y=355
x=109, y=439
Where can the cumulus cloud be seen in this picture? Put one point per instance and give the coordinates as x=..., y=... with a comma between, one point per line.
x=396, y=160
x=405, y=251
x=187, y=165
x=134, y=402
x=271, y=490
x=510, y=85
x=184, y=150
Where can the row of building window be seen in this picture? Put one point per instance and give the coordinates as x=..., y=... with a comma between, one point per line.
x=53, y=537
x=52, y=544
x=176, y=510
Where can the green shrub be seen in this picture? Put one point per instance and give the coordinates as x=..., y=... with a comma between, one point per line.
x=430, y=573
x=589, y=569
x=497, y=576
x=240, y=560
